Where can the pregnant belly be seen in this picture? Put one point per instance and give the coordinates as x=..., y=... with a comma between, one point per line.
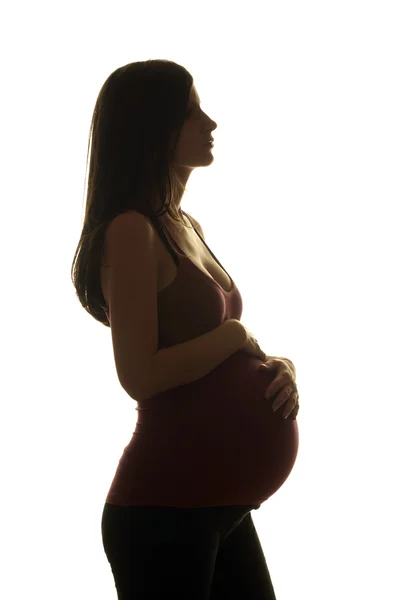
x=220, y=430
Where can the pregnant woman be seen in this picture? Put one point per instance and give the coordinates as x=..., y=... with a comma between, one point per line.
x=207, y=447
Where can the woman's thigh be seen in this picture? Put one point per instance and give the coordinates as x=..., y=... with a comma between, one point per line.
x=194, y=554
x=241, y=571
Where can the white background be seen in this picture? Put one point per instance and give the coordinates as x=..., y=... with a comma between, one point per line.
x=299, y=205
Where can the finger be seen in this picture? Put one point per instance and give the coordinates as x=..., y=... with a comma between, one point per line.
x=266, y=366
x=274, y=387
x=284, y=396
x=289, y=407
x=277, y=384
x=293, y=414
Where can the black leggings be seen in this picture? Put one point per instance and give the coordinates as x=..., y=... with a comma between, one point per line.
x=209, y=553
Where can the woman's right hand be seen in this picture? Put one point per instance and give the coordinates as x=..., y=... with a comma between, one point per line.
x=251, y=345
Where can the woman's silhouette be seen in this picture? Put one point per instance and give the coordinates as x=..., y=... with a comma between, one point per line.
x=207, y=447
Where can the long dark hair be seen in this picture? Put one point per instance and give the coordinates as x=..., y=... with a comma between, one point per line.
x=136, y=123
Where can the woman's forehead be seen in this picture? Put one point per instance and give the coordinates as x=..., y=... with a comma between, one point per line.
x=194, y=97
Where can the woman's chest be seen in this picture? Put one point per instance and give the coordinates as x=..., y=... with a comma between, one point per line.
x=196, y=252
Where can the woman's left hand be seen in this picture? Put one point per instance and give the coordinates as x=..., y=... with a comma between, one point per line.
x=284, y=385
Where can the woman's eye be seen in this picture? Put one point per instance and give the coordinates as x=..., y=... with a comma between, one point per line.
x=192, y=110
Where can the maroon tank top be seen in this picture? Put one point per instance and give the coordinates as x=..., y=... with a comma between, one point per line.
x=215, y=441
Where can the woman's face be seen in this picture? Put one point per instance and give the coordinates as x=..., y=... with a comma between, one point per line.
x=191, y=150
